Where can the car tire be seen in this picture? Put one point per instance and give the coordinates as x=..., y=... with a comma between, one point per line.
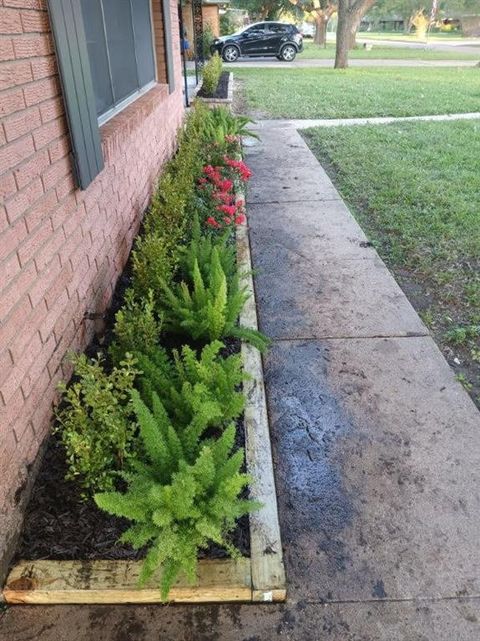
x=230, y=53
x=288, y=53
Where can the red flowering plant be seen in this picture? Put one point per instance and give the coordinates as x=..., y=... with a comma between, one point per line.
x=216, y=189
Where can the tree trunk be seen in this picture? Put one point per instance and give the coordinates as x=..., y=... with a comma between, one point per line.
x=354, y=22
x=341, y=47
x=321, y=21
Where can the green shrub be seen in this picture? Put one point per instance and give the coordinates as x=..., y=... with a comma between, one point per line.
x=207, y=309
x=95, y=422
x=197, y=392
x=211, y=74
x=136, y=327
x=177, y=508
x=154, y=260
x=207, y=40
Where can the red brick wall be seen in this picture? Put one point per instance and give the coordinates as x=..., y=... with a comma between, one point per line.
x=61, y=249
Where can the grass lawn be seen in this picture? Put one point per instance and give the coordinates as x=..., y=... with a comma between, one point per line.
x=313, y=51
x=357, y=92
x=415, y=188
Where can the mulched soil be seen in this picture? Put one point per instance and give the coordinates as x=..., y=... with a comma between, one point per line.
x=222, y=88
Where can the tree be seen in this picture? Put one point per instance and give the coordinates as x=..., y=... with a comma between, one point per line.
x=262, y=9
x=350, y=14
x=321, y=11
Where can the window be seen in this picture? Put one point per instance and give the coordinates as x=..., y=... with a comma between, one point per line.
x=275, y=27
x=120, y=50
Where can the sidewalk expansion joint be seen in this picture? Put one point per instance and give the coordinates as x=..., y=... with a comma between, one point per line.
x=287, y=339
x=419, y=599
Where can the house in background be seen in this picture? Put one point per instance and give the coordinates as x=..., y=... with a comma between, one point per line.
x=210, y=16
x=90, y=104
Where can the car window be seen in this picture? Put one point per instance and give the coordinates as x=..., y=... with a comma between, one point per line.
x=278, y=28
x=256, y=30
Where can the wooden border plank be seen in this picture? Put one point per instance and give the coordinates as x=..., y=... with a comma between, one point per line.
x=268, y=571
x=76, y=582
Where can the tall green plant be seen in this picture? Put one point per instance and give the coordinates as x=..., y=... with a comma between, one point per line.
x=207, y=309
x=195, y=390
x=176, y=507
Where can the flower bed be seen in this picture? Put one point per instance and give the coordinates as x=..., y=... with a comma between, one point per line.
x=149, y=430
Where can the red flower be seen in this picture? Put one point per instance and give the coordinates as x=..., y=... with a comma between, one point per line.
x=240, y=219
x=212, y=222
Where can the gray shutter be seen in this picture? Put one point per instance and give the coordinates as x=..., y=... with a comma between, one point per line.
x=72, y=57
x=167, y=30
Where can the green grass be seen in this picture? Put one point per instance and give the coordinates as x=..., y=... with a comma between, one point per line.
x=314, y=52
x=330, y=93
x=415, y=188
x=436, y=36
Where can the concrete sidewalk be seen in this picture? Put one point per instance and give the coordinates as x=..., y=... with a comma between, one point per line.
x=376, y=446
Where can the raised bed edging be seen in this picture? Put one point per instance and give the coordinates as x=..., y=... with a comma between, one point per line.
x=260, y=577
x=225, y=102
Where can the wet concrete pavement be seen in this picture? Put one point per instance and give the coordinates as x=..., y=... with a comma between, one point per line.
x=376, y=446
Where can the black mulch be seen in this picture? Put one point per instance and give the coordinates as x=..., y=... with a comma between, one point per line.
x=221, y=90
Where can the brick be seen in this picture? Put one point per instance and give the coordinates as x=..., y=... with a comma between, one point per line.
x=19, y=124
x=41, y=90
x=11, y=155
x=41, y=286
x=9, y=268
x=28, y=46
x=9, y=325
x=38, y=372
x=6, y=50
x=66, y=209
x=59, y=149
x=11, y=102
x=34, y=21
x=11, y=238
x=53, y=175
x=47, y=133
x=31, y=168
x=18, y=204
x=49, y=249
x=44, y=67
x=41, y=211
x=59, y=286
x=18, y=288
x=7, y=186
x=30, y=325
x=17, y=375
x=34, y=241
x=65, y=187
x=15, y=73
x=53, y=314
x=51, y=109
x=10, y=20
x=26, y=4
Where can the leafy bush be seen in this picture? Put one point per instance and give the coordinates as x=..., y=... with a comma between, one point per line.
x=207, y=40
x=136, y=326
x=211, y=74
x=177, y=507
x=196, y=392
x=154, y=260
x=207, y=309
x=95, y=422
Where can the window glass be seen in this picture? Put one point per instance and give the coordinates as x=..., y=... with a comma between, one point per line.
x=277, y=28
x=97, y=53
x=142, y=28
x=120, y=49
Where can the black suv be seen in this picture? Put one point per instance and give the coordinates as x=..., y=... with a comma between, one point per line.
x=261, y=39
